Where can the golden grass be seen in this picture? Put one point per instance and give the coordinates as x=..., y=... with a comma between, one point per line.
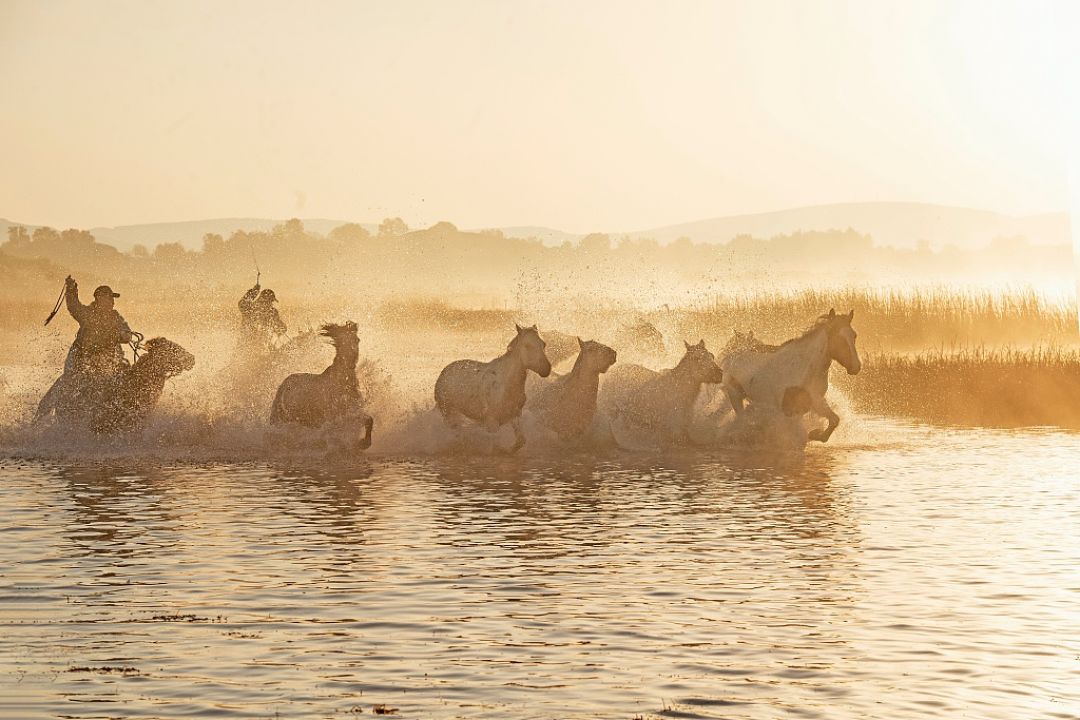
x=1002, y=387
x=894, y=320
x=435, y=314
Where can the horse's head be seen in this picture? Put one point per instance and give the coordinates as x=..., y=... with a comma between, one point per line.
x=168, y=356
x=741, y=342
x=342, y=335
x=529, y=347
x=737, y=343
x=596, y=356
x=842, y=340
x=701, y=363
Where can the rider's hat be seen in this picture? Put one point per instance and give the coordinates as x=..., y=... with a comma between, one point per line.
x=105, y=291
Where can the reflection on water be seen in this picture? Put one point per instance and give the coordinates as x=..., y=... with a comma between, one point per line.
x=934, y=574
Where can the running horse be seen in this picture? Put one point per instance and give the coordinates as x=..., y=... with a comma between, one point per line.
x=661, y=403
x=331, y=397
x=794, y=376
x=117, y=403
x=567, y=404
x=493, y=393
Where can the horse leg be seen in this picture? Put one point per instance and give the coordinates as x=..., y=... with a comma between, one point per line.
x=679, y=422
x=277, y=409
x=821, y=407
x=519, y=435
x=369, y=424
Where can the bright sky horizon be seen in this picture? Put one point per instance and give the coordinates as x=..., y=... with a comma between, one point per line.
x=579, y=116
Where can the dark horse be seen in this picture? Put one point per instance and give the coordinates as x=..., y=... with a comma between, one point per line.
x=117, y=403
x=332, y=396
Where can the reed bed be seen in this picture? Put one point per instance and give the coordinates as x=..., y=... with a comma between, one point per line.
x=895, y=320
x=992, y=387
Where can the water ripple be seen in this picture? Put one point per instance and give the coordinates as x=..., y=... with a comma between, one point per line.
x=930, y=576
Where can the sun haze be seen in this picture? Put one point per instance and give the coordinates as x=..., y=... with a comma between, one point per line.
x=605, y=116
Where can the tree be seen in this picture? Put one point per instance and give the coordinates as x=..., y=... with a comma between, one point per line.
x=392, y=227
x=443, y=227
x=46, y=235
x=73, y=236
x=349, y=233
x=213, y=244
x=170, y=252
x=18, y=237
x=596, y=242
x=139, y=250
x=290, y=230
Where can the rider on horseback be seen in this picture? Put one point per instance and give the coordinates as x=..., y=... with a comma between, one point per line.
x=98, y=346
x=96, y=358
x=260, y=319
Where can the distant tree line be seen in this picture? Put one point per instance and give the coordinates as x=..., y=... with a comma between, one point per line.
x=441, y=260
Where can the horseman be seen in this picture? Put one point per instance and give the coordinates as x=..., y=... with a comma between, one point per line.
x=260, y=321
x=98, y=347
x=96, y=358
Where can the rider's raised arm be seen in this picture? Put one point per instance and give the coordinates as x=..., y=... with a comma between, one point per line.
x=248, y=301
x=123, y=329
x=74, y=306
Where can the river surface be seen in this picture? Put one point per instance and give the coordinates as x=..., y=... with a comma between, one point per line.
x=902, y=572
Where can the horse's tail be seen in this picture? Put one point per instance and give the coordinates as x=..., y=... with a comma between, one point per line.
x=48, y=404
x=277, y=409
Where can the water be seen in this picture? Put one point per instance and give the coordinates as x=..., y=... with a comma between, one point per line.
x=904, y=572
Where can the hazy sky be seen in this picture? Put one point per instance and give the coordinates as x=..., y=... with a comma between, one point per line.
x=582, y=116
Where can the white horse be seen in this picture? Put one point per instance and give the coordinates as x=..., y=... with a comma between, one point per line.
x=567, y=404
x=795, y=375
x=492, y=393
x=661, y=403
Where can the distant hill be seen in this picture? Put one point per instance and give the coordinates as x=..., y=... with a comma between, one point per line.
x=889, y=223
x=894, y=224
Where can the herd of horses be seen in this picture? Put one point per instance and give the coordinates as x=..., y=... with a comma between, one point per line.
x=790, y=379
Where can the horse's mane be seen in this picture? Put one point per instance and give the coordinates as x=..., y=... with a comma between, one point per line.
x=522, y=332
x=335, y=330
x=822, y=322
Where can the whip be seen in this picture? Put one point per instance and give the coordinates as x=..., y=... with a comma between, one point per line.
x=59, y=302
x=258, y=272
